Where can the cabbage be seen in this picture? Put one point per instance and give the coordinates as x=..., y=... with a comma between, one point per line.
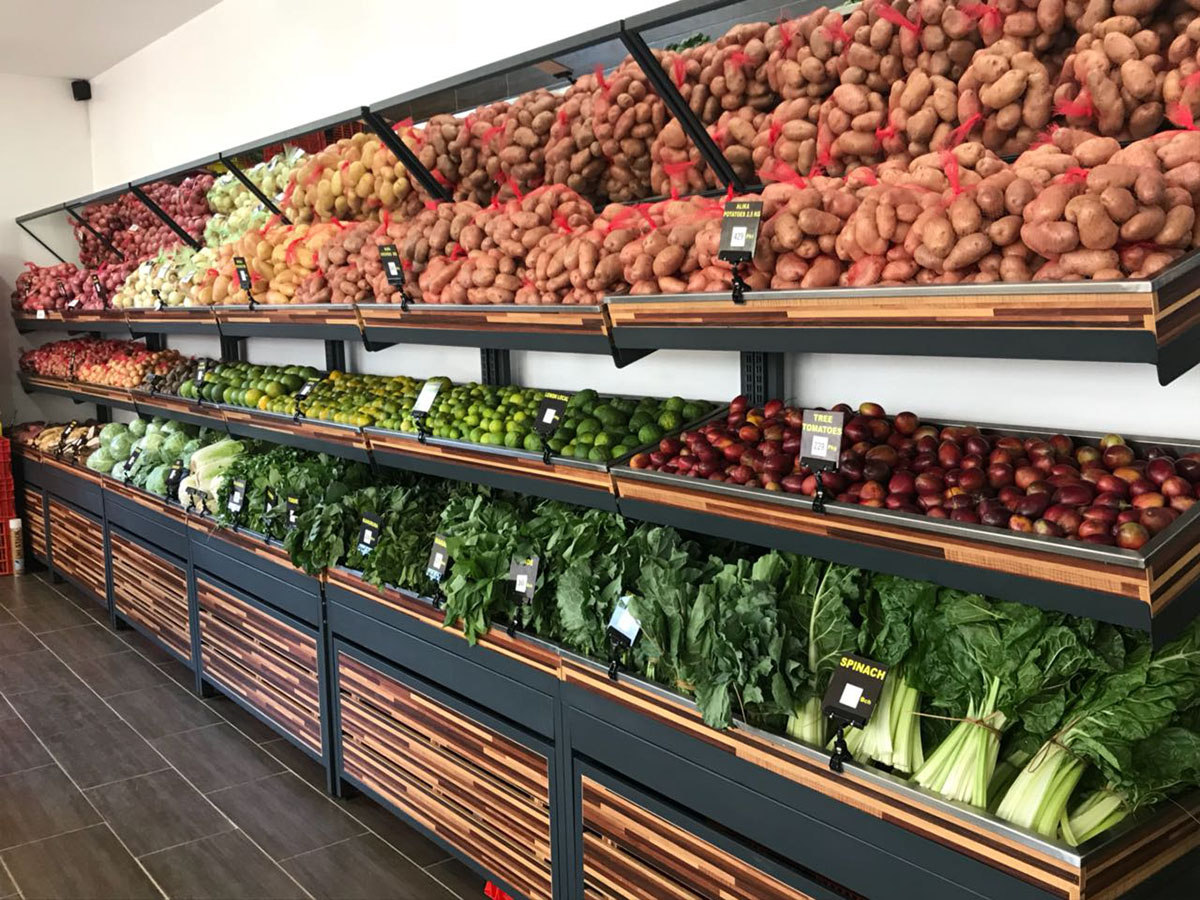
x=137, y=428
x=153, y=428
x=121, y=471
x=151, y=445
x=100, y=461
x=157, y=482
x=172, y=427
x=188, y=449
x=110, y=431
x=120, y=446
x=172, y=446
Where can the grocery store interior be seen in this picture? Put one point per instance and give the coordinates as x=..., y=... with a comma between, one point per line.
x=725, y=450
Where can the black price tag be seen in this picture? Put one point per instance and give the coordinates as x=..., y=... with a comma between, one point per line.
x=196, y=499
x=739, y=230
x=439, y=559
x=550, y=413
x=97, y=286
x=237, y=496
x=243, y=273
x=73, y=447
x=821, y=439
x=151, y=382
x=270, y=501
x=368, y=532
x=393, y=270
x=134, y=456
x=174, y=476
x=293, y=512
x=73, y=302
x=523, y=574
x=63, y=435
x=623, y=626
x=854, y=689
x=425, y=398
x=305, y=389
x=201, y=371
x=62, y=290
x=158, y=300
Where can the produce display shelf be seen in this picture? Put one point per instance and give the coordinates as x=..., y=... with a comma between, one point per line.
x=1101, y=869
x=1155, y=589
x=108, y=321
x=305, y=434
x=1154, y=321
x=79, y=392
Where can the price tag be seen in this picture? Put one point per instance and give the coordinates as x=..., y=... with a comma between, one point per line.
x=133, y=227
x=368, y=532
x=739, y=230
x=97, y=286
x=523, y=574
x=292, y=509
x=163, y=270
x=188, y=276
x=158, y=300
x=66, y=433
x=623, y=626
x=201, y=371
x=62, y=290
x=392, y=268
x=197, y=499
x=73, y=447
x=854, y=689
x=550, y=413
x=153, y=382
x=174, y=476
x=40, y=314
x=270, y=501
x=439, y=559
x=134, y=456
x=243, y=272
x=73, y=302
x=237, y=496
x=821, y=439
x=307, y=388
x=425, y=398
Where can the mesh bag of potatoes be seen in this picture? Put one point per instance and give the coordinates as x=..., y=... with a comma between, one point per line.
x=354, y=178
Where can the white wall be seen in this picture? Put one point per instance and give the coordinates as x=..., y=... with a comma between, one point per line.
x=44, y=155
x=194, y=92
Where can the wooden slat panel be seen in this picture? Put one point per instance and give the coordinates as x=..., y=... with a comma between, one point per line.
x=478, y=790
x=35, y=522
x=641, y=856
x=78, y=546
x=267, y=662
x=1132, y=583
x=152, y=592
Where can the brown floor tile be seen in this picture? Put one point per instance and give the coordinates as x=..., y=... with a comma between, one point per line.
x=36, y=670
x=19, y=748
x=284, y=816
x=144, y=646
x=8, y=887
x=51, y=615
x=82, y=642
x=22, y=593
x=157, y=811
x=247, y=724
x=119, y=673
x=363, y=868
x=394, y=830
x=58, y=711
x=85, y=865
x=40, y=803
x=223, y=867
x=297, y=761
x=103, y=753
x=216, y=757
x=178, y=673
x=16, y=638
x=459, y=877
x=158, y=711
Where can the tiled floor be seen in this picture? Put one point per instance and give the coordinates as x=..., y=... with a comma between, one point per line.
x=116, y=782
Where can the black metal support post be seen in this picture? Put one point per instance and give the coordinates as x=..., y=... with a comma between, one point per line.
x=763, y=376
x=101, y=238
x=103, y=413
x=170, y=223
x=231, y=348
x=666, y=89
x=335, y=356
x=156, y=341
x=496, y=366
x=407, y=158
x=253, y=188
x=45, y=246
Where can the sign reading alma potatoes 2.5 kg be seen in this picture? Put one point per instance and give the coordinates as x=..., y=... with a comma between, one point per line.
x=739, y=230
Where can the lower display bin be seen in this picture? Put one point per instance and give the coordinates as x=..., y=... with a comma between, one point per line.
x=35, y=523
x=77, y=549
x=468, y=779
x=264, y=658
x=631, y=851
x=150, y=588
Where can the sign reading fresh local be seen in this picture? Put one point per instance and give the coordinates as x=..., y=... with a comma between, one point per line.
x=392, y=269
x=854, y=689
x=739, y=230
x=821, y=439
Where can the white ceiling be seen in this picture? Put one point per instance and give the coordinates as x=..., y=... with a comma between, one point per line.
x=82, y=38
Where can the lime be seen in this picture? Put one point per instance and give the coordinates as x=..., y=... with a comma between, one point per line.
x=673, y=404
x=274, y=389
x=598, y=454
x=619, y=451
x=669, y=421
x=533, y=444
x=512, y=440
x=649, y=434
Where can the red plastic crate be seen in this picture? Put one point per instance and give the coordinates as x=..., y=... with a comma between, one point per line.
x=6, y=563
x=6, y=456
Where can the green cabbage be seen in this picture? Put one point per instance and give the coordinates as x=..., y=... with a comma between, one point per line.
x=137, y=428
x=100, y=461
x=120, y=446
x=157, y=482
x=172, y=446
x=110, y=431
